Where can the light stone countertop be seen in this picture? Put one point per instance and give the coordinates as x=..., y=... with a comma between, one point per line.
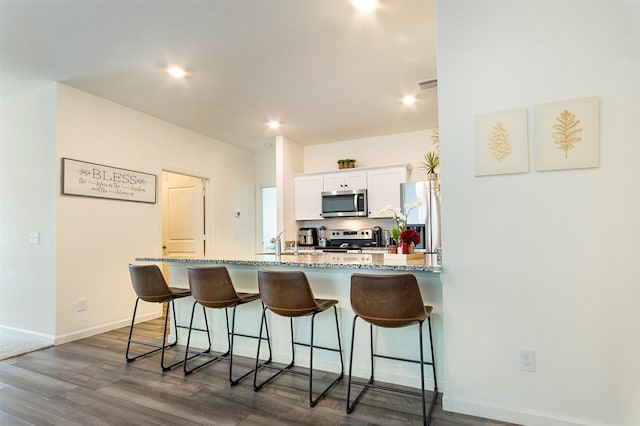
x=308, y=260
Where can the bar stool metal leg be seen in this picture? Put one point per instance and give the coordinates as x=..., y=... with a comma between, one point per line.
x=227, y=355
x=288, y=368
x=187, y=351
x=426, y=415
x=157, y=347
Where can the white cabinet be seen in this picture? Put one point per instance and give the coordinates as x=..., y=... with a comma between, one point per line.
x=308, y=197
x=383, y=189
x=344, y=181
x=382, y=185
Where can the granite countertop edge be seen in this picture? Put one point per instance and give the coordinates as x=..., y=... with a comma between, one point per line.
x=295, y=263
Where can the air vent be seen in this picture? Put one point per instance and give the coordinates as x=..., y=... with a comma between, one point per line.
x=428, y=84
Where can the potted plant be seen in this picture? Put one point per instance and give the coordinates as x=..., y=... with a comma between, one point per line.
x=431, y=162
x=347, y=163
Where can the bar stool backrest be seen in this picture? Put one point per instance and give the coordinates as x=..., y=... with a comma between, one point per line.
x=286, y=293
x=212, y=287
x=149, y=283
x=387, y=300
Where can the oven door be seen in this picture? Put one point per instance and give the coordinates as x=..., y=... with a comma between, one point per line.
x=344, y=203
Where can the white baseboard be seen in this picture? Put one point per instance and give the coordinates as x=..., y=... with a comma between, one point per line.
x=103, y=328
x=44, y=339
x=517, y=415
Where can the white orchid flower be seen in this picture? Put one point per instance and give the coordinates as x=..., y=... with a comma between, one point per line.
x=386, y=208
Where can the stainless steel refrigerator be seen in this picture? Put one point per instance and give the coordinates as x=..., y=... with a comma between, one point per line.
x=425, y=218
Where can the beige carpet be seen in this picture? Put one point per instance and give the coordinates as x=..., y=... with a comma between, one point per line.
x=13, y=343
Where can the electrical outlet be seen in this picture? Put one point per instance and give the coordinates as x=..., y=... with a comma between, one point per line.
x=527, y=360
x=81, y=304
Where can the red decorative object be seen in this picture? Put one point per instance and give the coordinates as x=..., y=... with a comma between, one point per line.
x=410, y=236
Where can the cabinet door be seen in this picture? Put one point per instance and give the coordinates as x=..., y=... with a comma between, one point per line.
x=333, y=182
x=343, y=181
x=308, y=197
x=384, y=189
x=355, y=180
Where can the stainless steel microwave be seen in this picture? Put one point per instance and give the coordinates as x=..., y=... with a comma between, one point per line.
x=344, y=203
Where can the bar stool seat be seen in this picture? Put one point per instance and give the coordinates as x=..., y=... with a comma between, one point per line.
x=288, y=294
x=211, y=287
x=150, y=286
x=390, y=301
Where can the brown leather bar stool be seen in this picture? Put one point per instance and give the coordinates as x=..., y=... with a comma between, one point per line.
x=288, y=294
x=211, y=287
x=150, y=286
x=390, y=301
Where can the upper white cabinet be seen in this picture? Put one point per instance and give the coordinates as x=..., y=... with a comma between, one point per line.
x=344, y=181
x=308, y=197
x=382, y=185
x=383, y=189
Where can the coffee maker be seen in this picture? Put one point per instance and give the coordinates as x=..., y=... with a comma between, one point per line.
x=308, y=237
x=377, y=237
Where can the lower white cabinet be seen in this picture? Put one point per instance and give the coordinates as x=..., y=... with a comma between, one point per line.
x=308, y=197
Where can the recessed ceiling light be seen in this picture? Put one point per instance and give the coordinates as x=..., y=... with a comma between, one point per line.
x=365, y=6
x=273, y=124
x=176, y=72
x=409, y=100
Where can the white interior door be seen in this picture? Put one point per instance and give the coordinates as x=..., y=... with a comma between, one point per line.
x=183, y=216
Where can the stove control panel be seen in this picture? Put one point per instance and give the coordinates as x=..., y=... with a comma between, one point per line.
x=351, y=234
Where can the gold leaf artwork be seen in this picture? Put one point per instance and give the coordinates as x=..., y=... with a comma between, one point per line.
x=499, y=142
x=567, y=131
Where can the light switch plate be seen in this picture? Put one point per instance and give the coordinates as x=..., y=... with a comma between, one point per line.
x=34, y=237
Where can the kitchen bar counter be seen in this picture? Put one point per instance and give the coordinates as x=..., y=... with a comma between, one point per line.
x=330, y=278
x=308, y=260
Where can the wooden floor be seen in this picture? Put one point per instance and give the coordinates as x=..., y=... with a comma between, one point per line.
x=88, y=382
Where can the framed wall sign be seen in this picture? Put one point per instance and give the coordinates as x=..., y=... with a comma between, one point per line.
x=100, y=181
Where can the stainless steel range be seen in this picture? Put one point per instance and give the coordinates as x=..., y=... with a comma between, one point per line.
x=349, y=240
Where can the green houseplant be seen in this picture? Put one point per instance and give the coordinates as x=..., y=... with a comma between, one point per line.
x=431, y=162
x=346, y=163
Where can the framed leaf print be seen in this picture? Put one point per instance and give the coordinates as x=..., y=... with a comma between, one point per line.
x=568, y=134
x=501, y=143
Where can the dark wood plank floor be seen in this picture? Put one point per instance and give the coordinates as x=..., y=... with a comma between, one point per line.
x=88, y=382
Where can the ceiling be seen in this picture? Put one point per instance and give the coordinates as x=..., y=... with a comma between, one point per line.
x=326, y=72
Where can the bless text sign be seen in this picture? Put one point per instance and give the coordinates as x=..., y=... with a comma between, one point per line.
x=97, y=180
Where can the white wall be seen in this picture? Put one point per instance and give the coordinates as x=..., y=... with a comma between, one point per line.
x=265, y=176
x=27, y=203
x=545, y=261
x=97, y=238
x=289, y=161
x=386, y=150
x=265, y=168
